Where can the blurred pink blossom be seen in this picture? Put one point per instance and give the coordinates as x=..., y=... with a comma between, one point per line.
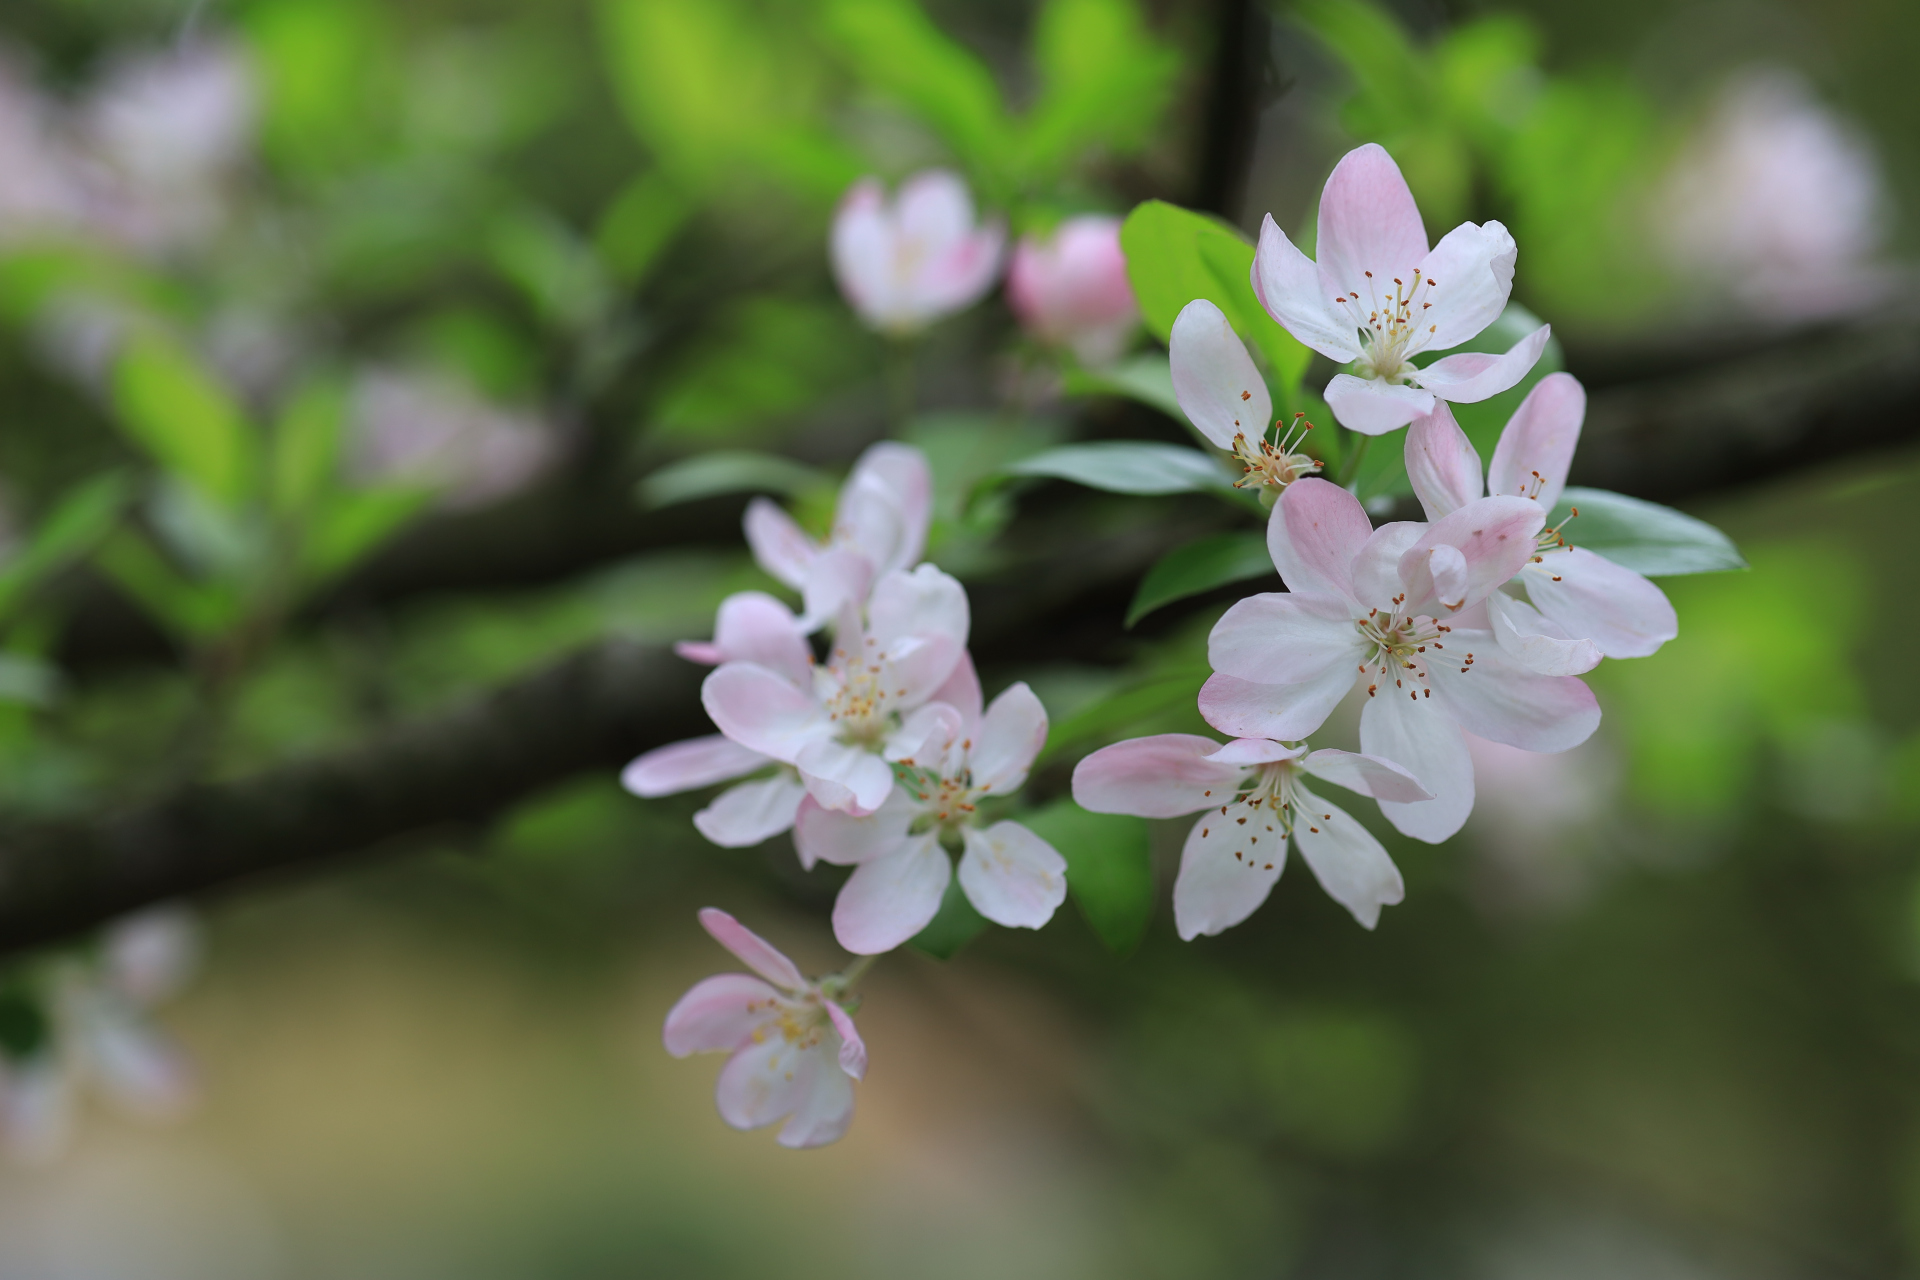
x=434, y=429
x=795, y=1050
x=906, y=262
x=1070, y=289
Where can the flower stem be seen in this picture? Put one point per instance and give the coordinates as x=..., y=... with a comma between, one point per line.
x=900, y=394
x=854, y=972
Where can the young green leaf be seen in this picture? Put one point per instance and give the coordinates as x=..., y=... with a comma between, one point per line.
x=1200, y=566
x=1105, y=81
x=1109, y=868
x=192, y=611
x=306, y=445
x=706, y=475
x=81, y=518
x=1644, y=536
x=952, y=927
x=181, y=415
x=354, y=523
x=1129, y=466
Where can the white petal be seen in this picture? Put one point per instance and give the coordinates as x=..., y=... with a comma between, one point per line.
x=1162, y=776
x=762, y=711
x=1537, y=445
x=1376, y=570
x=1498, y=698
x=779, y=545
x=829, y=835
x=1494, y=536
x=1315, y=532
x=1229, y=865
x=1276, y=638
x=1214, y=379
x=718, y=1015
x=1288, y=285
x=683, y=766
x=1012, y=876
x=1248, y=751
x=1472, y=376
x=1537, y=643
x=741, y=817
x=1472, y=268
x=1625, y=615
x=1418, y=735
x=926, y=737
x=751, y=626
x=841, y=776
x=1370, y=229
x=1374, y=406
x=1369, y=775
x=1283, y=712
x=901, y=473
x=1347, y=861
x=863, y=249
x=1010, y=737
x=766, y=1081
x=888, y=900
x=824, y=1107
x=836, y=580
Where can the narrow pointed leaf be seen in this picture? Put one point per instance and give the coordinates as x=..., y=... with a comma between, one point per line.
x=1200, y=566
x=1644, y=536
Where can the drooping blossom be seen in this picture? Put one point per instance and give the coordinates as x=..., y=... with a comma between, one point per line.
x=906, y=262
x=1567, y=607
x=955, y=757
x=751, y=627
x=1070, y=289
x=1403, y=607
x=879, y=526
x=1253, y=801
x=1378, y=296
x=795, y=1051
x=880, y=667
x=437, y=430
x=1226, y=399
x=99, y=1033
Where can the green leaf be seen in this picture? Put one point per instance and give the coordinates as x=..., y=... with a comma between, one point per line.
x=1105, y=81
x=1200, y=566
x=1109, y=868
x=181, y=415
x=1120, y=713
x=1147, y=378
x=642, y=220
x=727, y=471
x=306, y=444
x=1644, y=536
x=1129, y=466
x=82, y=517
x=192, y=610
x=354, y=524
x=952, y=927
x=1175, y=255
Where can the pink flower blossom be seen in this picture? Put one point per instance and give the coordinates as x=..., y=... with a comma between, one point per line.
x=795, y=1050
x=751, y=627
x=957, y=757
x=1226, y=399
x=881, y=667
x=1403, y=606
x=435, y=429
x=1071, y=289
x=879, y=526
x=1567, y=607
x=1378, y=297
x=905, y=263
x=1253, y=801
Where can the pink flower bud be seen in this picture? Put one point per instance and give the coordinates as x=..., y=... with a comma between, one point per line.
x=1071, y=289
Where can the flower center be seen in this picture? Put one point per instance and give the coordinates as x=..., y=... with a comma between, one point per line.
x=1393, y=327
x=1274, y=467
x=801, y=1023
x=1403, y=646
x=1549, y=541
x=860, y=699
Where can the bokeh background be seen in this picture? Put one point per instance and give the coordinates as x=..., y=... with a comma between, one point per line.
x=1654, y=1014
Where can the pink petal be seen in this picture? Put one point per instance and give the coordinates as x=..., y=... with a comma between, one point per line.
x=1313, y=535
x=935, y=209
x=719, y=1015
x=1473, y=270
x=1214, y=379
x=761, y=710
x=754, y=627
x=752, y=950
x=1536, y=448
x=862, y=248
x=1229, y=865
x=142, y=1070
x=1494, y=536
x=841, y=776
x=1442, y=463
x=901, y=473
x=1369, y=775
x=1010, y=737
x=1502, y=700
x=1276, y=638
x=763, y=1082
x=961, y=691
x=1625, y=615
x=853, y=1050
x=1288, y=286
x=1446, y=567
x=1376, y=570
x=1472, y=376
x=743, y=816
x=1162, y=776
x=1345, y=858
x=704, y=652
x=1421, y=737
x=1537, y=643
x=1283, y=712
x=888, y=900
x=1370, y=229
x=1249, y=751
x=683, y=766
x=828, y=835
x=1374, y=406
x=1012, y=876
x=779, y=545
x=824, y=1109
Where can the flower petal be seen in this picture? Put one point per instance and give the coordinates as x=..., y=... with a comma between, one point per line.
x=763, y=1082
x=927, y=737
x=1232, y=858
x=1421, y=737
x=1347, y=861
x=751, y=626
x=1288, y=285
x=1370, y=229
x=719, y=1015
x=1537, y=445
x=897, y=477
x=743, y=816
x=1313, y=535
x=841, y=776
x=1010, y=737
x=141, y=1069
x=1472, y=376
x=829, y=835
x=863, y=253
x=1162, y=776
x=1012, y=876
x=1248, y=751
x=837, y=579
x=1502, y=700
x=1214, y=379
x=1276, y=638
x=1471, y=277
x=853, y=1050
x=825, y=1106
x=1591, y=596
x=1494, y=536
x=1369, y=775
x=1283, y=712
x=779, y=545
x=961, y=691
x=683, y=766
x=1376, y=570
x=1442, y=463
x=888, y=900
x=1537, y=643
x=1374, y=406
x=753, y=950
